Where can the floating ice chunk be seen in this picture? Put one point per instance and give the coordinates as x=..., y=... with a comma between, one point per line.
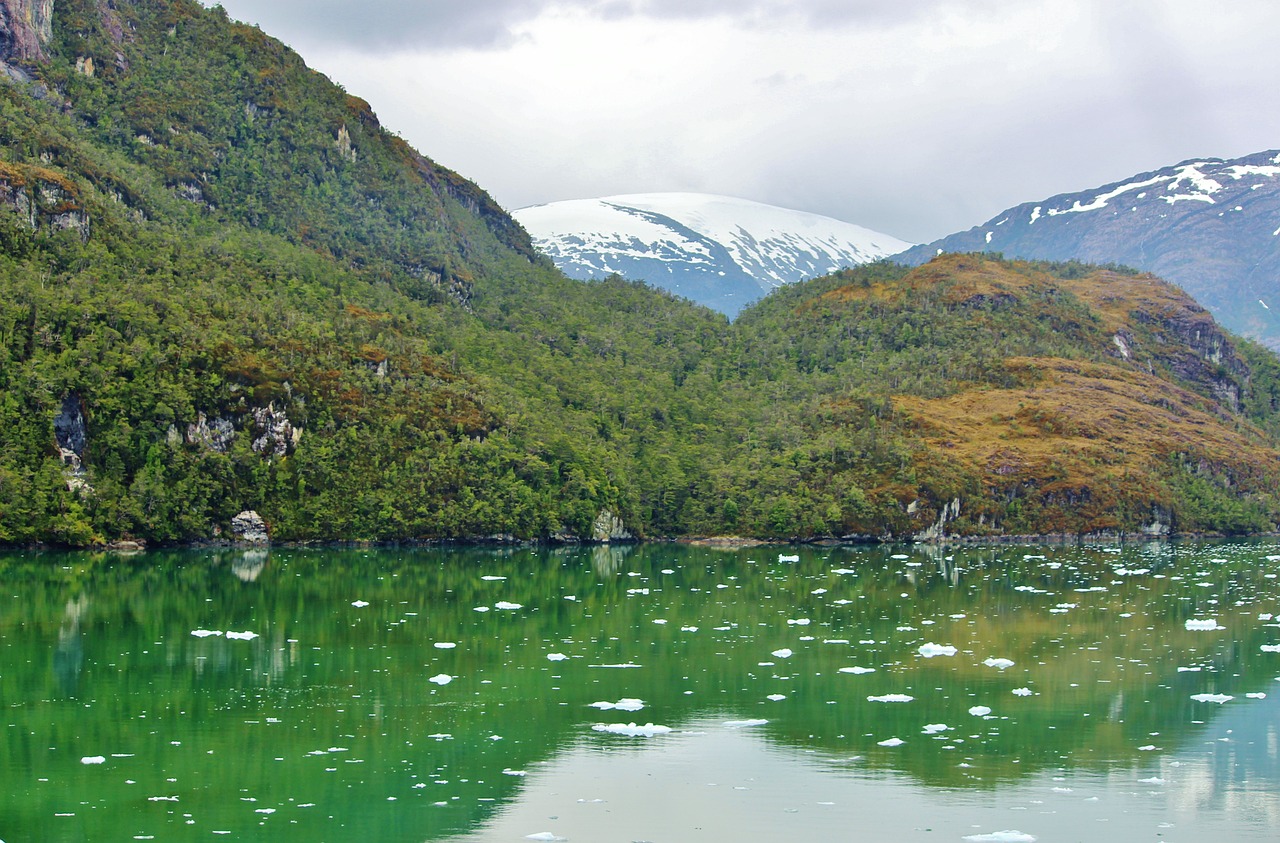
x=979, y=711
x=1022, y=692
x=900, y=556
x=844, y=571
x=799, y=622
x=445, y=645
x=93, y=759
x=204, y=633
x=819, y=591
x=1148, y=748
x=1012, y=836
x=625, y=704
x=668, y=571
x=776, y=697
x=1208, y=624
x=1256, y=696
x=502, y=604
x=892, y=698
x=660, y=621
x=891, y=742
x=1190, y=669
x=936, y=728
x=162, y=799
x=631, y=730
x=481, y=609
x=441, y=679
x=556, y=657
x=930, y=650
x=623, y=666
x=1271, y=648
x=740, y=724
x=784, y=653
x=1152, y=780
x=242, y=636
x=492, y=578
x=544, y=835
x=514, y=773
x=688, y=629
x=1213, y=698
x=999, y=664
x=857, y=671
x=359, y=604
x=785, y=558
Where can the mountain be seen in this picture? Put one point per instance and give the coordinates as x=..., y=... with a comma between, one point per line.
x=1211, y=226
x=716, y=250
x=232, y=302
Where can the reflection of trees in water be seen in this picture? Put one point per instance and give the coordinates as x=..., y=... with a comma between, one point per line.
x=607, y=559
x=68, y=657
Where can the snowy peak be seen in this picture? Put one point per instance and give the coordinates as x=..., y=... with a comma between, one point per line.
x=1210, y=225
x=717, y=250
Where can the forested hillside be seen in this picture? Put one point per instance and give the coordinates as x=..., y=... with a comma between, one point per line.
x=224, y=286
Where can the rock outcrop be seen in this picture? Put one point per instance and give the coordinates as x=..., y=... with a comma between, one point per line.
x=608, y=527
x=249, y=528
x=25, y=29
x=72, y=439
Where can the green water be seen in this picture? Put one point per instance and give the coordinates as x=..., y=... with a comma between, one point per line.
x=374, y=700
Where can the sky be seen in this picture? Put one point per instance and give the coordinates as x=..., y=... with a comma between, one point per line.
x=917, y=118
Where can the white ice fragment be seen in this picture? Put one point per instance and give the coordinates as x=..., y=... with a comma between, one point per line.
x=204, y=633
x=481, y=609
x=162, y=799
x=1271, y=648
x=631, y=730
x=622, y=666
x=660, y=621
x=544, y=835
x=556, y=657
x=784, y=653
x=625, y=704
x=844, y=571
x=857, y=671
x=1148, y=748
x=891, y=698
x=740, y=724
x=930, y=650
x=1189, y=669
x=1256, y=696
x=1207, y=624
x=784, y=558
x=514, y=773
x=688, y=629
x=998, y=664
x=936, y=728
x=799, y=622
x=502, y=604
x=776, y=697
x=445, y=645
x=1152, y=780
x=359, y=604
x=441, y=679
x=242, y=636
x=492, y=579
x=1213, y=698
x=979, y=711
x=1012, y=836
x=1022, y=692
x=93, y=759
x=891, y=742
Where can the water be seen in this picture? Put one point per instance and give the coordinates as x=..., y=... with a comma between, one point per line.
x=486, y=696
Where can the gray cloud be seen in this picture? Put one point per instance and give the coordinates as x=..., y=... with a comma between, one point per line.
x=417, y=25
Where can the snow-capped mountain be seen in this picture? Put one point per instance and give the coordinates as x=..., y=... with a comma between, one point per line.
x=716, y=250
x=1211, y=226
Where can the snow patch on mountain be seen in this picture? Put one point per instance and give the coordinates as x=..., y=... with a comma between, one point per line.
x=718, y=250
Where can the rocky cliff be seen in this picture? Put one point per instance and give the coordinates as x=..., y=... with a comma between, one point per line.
x=25, y=29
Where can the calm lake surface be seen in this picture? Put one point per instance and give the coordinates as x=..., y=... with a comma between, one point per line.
x=658, y=693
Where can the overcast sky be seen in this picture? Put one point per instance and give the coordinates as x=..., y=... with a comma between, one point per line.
x=917, y=118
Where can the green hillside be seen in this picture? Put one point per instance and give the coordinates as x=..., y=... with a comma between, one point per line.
x=224, y=286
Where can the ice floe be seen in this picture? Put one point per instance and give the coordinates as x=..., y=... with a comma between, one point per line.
x=242, y=636
x=980, y=711
x=785, y=558
x=93, y=759
x=444, y=645
x=625, y=704
x=503, y=604
x=936, y=728
x=359, y=604
x=1011, y=836
x=784, y=653
x=556, y=657
x=1022, y=692
x=1207, y=624
x=998, y=664
x=857, y=671
x=631, y=730
x=205, y=633
x=740, y=724
x=1213, y=698
x=891, y=742
x=892, y=698
x=931, y=650
x=545, y=836
x=1271, y=648
x=441, y=679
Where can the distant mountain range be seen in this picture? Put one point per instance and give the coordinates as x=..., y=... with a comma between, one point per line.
x=1209, y=225
x=718, y=251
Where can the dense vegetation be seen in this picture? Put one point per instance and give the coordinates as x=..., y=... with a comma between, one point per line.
x=255, y=297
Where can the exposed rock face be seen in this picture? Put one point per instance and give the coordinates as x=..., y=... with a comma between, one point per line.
x=275, y=434
x=609, y=527
x=42, y=198
x=216, y=433
x=249, y=528
x=938, y=530
x=72, y=438
x=25, y=28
